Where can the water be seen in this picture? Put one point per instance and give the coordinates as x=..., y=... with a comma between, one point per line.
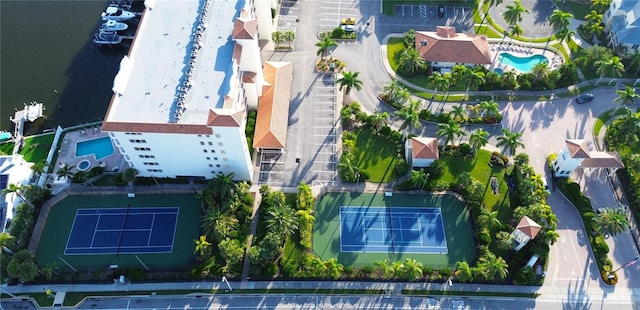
x=48, y=56
x=100, y=147
x=524, y=64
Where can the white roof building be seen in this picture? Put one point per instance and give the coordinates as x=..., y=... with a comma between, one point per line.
x=13, y=170
x=622, y=22
x=576, y=155
x=182, y=93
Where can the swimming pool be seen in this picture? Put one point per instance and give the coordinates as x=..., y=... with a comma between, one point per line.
x=100, y=147
x=524, y=64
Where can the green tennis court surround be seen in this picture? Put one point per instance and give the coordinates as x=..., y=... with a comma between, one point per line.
x=181, y=209
x=440, y=228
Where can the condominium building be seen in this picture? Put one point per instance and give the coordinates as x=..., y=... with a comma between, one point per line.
x=182, y=93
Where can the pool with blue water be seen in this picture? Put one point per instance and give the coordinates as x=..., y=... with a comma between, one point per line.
x=524, y=64
x=101, y=148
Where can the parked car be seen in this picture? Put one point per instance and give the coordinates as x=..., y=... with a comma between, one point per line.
x=348, y=21
x=441, y=11
x=586, y=97
x=348, y=28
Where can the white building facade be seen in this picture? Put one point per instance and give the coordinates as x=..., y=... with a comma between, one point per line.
x=182, y=93
x=622, y=23
x=13, y=170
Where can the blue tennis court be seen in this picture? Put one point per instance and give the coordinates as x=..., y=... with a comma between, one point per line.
x=123, y=230
x=392, y=230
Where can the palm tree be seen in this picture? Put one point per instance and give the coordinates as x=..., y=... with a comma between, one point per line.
x=385, y=267
x=472, y=79
x=493, y=267
x=289, y=36
x=457, y=113
x=510, y=141
x=626, y=96
x=564, y=34
x=611, y=222
x=550, y=236
x=449, y=131
x=478, y=139
x=463, y=272
x=202, y=245
x=412, y=269
x=17, y=189
x=65, y=171
x=418, y=178
x=324, y=46
x=560, y=20
x=39, y=167
x=439, y=81
x=490, y=3
x=277, y=37
x=410, y=61
x=475, y=110
x=347, y=167
x=410, y=117
x=489, y=109
x=348, y=82
x=218, y=224
x=594, y=23
x=222, y=187
x=514, y=12
x=380, y=120
x=508, y=79
x=540, y=71
x=609, y=66
x=635, y=61
x=392, y=89
x=515, y=31
x=489, y=219
x=282, y=220
x=504, y=240
x=333, y=269
x=129, y=175
x=600, y=5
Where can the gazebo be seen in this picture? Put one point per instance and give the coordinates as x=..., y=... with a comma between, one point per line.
x=526, y=230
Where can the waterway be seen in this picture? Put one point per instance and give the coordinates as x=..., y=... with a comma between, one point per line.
x=47, y=54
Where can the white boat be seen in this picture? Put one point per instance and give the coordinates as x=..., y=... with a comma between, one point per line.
x=112, y=25
x=117, y=14
x=107, y=37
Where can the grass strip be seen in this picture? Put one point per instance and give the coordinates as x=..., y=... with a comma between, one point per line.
x=74, y=298
x=466, y=293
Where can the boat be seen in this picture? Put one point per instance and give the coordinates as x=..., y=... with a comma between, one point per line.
x=112, y=25
x=117, y=14
x=107, y=37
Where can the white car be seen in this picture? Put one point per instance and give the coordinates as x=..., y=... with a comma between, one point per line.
x=348, y=28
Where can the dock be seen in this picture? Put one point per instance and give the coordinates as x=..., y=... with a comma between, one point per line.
x=30, y=113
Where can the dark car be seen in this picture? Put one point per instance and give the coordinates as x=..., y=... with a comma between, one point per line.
x=441, y=11
x=584, y=98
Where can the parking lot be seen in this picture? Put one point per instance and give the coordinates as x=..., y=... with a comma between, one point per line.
x=332, y=11
x=424, y=11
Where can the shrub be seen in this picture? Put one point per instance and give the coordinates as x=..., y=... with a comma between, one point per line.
x=484, y=237
x=436, y=169
x=465, y=149
x=290, y=269
x=445, y=272
x=525, y=276
x=337, y=33
x=366, y=270
x=348, y=270
x=270, y=270
x=600, y=246
x=401, y=167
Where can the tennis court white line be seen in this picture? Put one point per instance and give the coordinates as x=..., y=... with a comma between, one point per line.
x=153, y=220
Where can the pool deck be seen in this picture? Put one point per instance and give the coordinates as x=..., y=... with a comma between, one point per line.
x=67, y=151
x=519, y=50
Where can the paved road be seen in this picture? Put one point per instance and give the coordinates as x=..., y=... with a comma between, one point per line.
x=326, y=302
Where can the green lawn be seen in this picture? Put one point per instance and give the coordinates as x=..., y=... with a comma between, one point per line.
x=379, y=164
x=37, y=148
x=6, y=148
x=604, y=118
x=480, y=169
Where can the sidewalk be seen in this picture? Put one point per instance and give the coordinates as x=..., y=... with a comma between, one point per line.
x=395, y=288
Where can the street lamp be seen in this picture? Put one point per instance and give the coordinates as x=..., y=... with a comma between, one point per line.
x=611, y=274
